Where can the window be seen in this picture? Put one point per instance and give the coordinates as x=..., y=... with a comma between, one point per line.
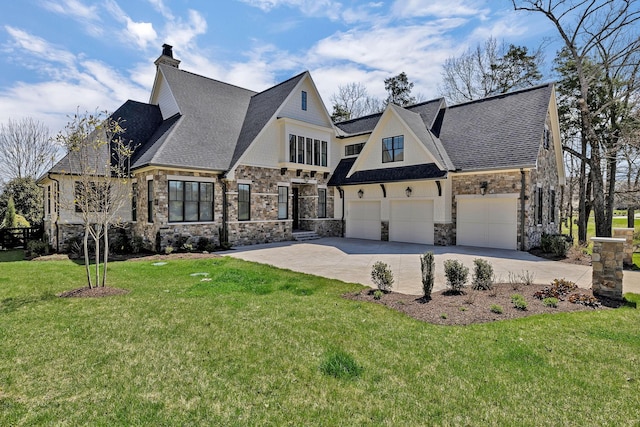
x=309, y=152
x=547, y=138
x=316, y=152
x=552, y=206
x=393, y=149
x=244, y=202
x=283, y=202
x=300, y=149
x=190, y=201
x=353, y=149
x=292, y=148
x=322, y=202
x=48, y=200
x=539, y=206
x=304, y=100
x=323, y=155
x=150, y=201
x=134, y=202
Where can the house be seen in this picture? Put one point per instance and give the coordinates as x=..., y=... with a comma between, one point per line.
x=233, y=165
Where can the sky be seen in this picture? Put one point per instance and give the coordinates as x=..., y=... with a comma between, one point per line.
x=60, y=56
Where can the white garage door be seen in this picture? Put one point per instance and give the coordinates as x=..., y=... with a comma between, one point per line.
x=363, y=220
x=488, y=222
x=411, y=221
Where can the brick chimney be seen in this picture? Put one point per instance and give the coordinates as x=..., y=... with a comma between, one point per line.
x=167, y=57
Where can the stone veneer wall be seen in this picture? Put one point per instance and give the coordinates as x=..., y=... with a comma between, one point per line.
x=607, y=274
x=384, y=231
x=325, y=227
x=627, y=235
x=444, y=234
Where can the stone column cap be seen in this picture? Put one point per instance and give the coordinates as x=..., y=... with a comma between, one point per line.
x=623, y=229
x=609, y=239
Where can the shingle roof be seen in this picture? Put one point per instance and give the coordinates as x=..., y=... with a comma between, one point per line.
x=374, y=176
x=502, y=131
x=139, y=122
x=261, y=108
x=212, y=115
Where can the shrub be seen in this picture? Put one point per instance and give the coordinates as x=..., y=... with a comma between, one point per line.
x=121, y=243
x=377, y=294
x=137, y=244
x=495, y=308
x=550, y=302
x=382, y=276
x=482, y=274
x=558, y=289
x=555, y=244
x=443, y=316
x=526, y=277
x=205, y=245
x=339, y=364
x=584, y=299
x=456, y=274
x=168, y=249
x=518, y=302
x=427, y=263
x=38, y=247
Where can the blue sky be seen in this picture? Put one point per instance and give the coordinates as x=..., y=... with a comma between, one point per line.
x=59, y=55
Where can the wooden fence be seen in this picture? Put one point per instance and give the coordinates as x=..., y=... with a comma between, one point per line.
x=18, y=237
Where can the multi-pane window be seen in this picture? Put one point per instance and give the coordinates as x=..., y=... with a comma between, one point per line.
x=552, y=205
x=190, y=201
x=322, y=202
x=393, y=149
x=539, y=210
x=244, y=202
x=304, y=100
x=353, y=149
x=150, y=201
x=134, y=202
x=283, y=202
x=48, y=200
x=307, y=151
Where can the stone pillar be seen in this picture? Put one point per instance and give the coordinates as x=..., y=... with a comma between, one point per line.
x=607, y=256
x=627, y=234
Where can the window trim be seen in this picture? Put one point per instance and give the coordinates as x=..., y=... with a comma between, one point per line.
x=539, y=205
x=353, y=149
x=304, y=100
x=396, y=151
x=198, y=202
x=150, y=201
x=248, y=201
x=134, y=201
x=322, y=202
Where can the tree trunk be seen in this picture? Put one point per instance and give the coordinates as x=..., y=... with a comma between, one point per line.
x=105, y=254
x=631, y=220
x=612, y=169
x=97, y=266
x=583, y=216
x=85, y=245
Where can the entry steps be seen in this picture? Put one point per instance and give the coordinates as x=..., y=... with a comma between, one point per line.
x=302, y=236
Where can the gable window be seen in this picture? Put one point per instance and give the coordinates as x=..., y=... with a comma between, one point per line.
x=190, y=201
x=353, y=149
x=539, y=210
x=322, y=202
x=134, y=202
x=48, y=200
x=552, y=206
x=244, y=202
x=393, y=149
x=150, y=201
x=323, y=154
x=283, y=202
x=304, y=100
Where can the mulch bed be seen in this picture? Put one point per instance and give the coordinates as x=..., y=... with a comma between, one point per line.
x=474, y=306
x=97, y=292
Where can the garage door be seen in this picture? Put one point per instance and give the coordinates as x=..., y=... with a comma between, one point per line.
x=487, y=222
x=363, y=220
x=411, y=221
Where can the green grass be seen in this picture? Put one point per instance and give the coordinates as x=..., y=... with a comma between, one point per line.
x=247, y=348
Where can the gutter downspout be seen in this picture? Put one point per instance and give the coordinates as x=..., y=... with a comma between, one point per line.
x=56, y=204
x=224, y=235
x=341, y=191
x=523, y=181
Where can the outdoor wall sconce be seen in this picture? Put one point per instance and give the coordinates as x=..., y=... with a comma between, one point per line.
x=408, y=191
x=360, y=193
x=483, y=187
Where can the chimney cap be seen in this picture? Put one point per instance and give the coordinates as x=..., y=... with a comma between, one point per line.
x=167, y=57
x=167, y=50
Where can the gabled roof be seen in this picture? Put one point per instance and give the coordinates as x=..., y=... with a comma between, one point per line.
x=212, y=115
x=375, y=176
x=503, y=131
x=262, y=108
x=139, y=122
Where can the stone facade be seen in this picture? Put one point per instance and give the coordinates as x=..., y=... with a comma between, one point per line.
x=607, y=257
x=384, y=231
x=444, y=234
x=627, y=234
x=325, y=227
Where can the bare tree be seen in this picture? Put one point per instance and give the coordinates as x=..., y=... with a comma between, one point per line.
x=606, y=33
x=26, y=149
x=99, y=159
x=489, y=69
x=352, y=101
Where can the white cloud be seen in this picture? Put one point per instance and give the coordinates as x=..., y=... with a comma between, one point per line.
x=140, y=33
x=87, y=16
x=38, y=46
x=328, y=8
x=437, y=8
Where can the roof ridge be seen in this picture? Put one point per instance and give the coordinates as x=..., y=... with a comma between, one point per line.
x=208, y=78
x=281, y=83
x=503, y=95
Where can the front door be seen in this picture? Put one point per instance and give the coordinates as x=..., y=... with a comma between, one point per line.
x=294, y=213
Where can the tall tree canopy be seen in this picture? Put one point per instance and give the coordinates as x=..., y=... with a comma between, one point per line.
x=399, y=90
x=26, y=149
x=352, y=101
x=27, y=197
x=489, y=69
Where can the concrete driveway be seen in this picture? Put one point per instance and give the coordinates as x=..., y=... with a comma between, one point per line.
x=350, y=260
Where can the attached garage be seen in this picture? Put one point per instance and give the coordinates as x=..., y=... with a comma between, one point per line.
x=363, y=220
x=489, y=221
x=411, y=221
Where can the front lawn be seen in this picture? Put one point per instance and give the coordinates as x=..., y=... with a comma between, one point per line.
x=246, y=348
